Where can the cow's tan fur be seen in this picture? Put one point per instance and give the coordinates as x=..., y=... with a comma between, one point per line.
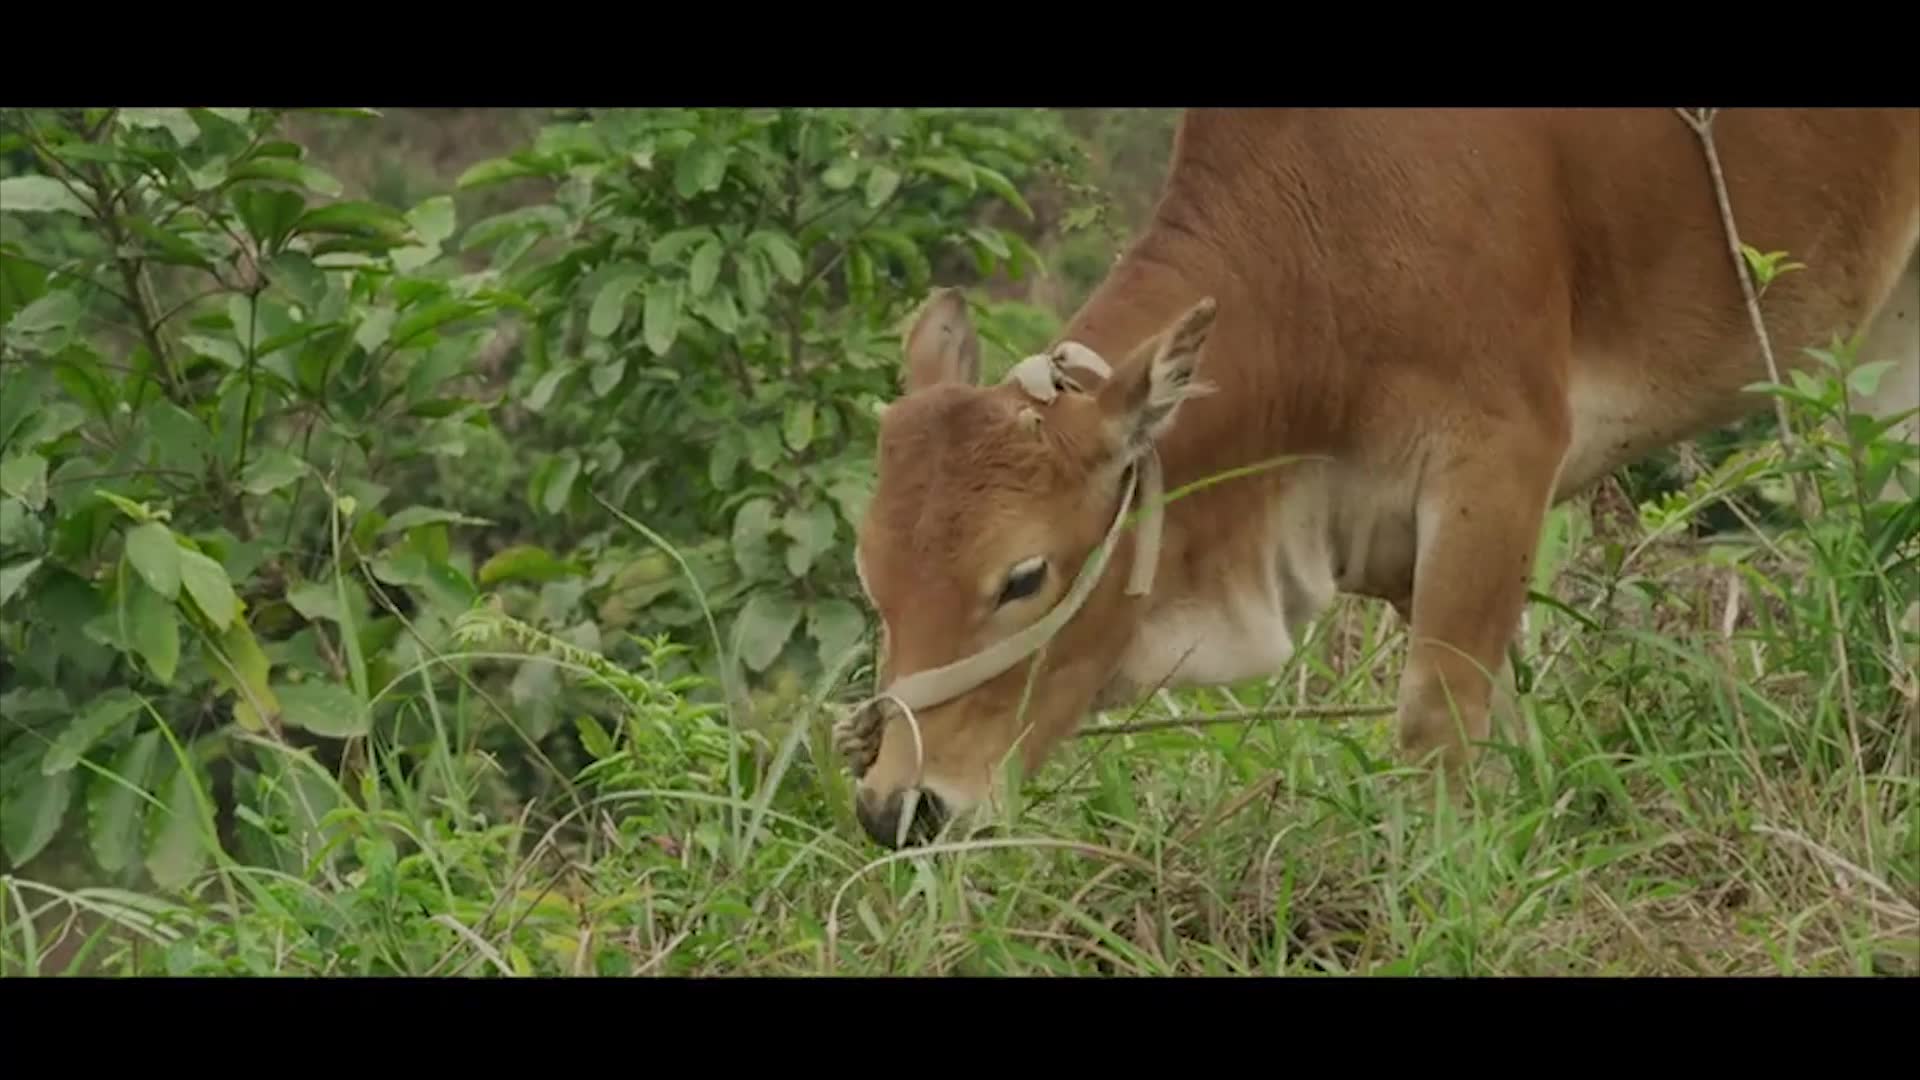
x=1465, y=315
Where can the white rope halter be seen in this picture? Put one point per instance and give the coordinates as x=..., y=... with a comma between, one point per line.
x=1042, y=377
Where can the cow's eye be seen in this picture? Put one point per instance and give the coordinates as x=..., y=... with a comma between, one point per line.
x=1024, y=580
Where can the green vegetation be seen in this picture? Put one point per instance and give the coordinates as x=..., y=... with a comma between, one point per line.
x=442, y=569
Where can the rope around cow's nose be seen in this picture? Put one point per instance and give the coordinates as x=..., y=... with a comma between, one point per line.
x=919, y=747
x=866, y=720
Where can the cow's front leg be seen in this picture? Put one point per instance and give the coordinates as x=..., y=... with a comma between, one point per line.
x=1479, y=515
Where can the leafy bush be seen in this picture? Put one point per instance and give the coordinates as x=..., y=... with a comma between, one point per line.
x=264, y=444
x=717, y=298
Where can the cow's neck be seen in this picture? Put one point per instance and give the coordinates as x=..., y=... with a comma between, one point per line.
x=1239, y=576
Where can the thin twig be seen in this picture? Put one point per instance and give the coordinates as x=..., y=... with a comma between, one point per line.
x=1231, y=716
x=1852, y=715
x=479, y=943
x=1701, y=121
x=1839, y=862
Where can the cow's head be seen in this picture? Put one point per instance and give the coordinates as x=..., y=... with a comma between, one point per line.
x=989, y=502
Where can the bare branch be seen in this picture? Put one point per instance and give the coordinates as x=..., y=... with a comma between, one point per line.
x=1701, y=121
x=1233, y=716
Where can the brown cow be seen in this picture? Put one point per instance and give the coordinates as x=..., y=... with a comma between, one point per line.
x=1463, y=316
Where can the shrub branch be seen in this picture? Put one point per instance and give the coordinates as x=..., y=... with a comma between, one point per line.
x=1701, y=121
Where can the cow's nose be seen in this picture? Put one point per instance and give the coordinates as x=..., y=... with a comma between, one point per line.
x=880, y=816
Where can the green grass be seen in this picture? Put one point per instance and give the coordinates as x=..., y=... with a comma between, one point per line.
x=1686, y=801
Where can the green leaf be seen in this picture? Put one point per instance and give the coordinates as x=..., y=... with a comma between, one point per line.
x=700, y=168
x=750, y=275
x=668, y=248
x=153, y=629
x=101, y=718
x=35, y=807
x=176, y=122
x=39, y=195
x=21, y=283
x=237, y=655
x=61, y=417
x=271, y=471
x=991, y=240
x=24, y=476
x=269, y=213
x=15, y=575
x=662, y=317
x=544, y=387
x=882, y=182
x=323, y=708
x=559, y=485
x=705, y=267
x=841, y=174
x=433, y=219
x=1865, y=379
x=58, y=310
x=305, y=282
x=594, y=738
x=447, y=589
x=374, y=328
x=781, y=253
x=315, y=601
x=811, y=530
x=413, y=257
x=835, y=626
x=496, y=171
x=752, y=525
x=19, y=528
x=524, y=562
x=115, y=813
x=180, y=439
x=363, y=219
x=859, y=273
x=610, y=305
x=908, y=254
x=222, y=351
x=720, y=311
x=125, y=505
x=951, y=168
x=851, y=496
x=415, y=516
x=765, y=623
x=434, y=315
x=798, y=425
x=286, y=171
x=604, y=378
x=763, y=446
x=207, y=583
x=524, y=222
x=998, y=184
x=176, y=850
x=154, y=553
x=722, y=460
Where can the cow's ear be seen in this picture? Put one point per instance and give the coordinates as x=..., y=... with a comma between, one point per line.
x=942, y=346
x=1142, y=399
